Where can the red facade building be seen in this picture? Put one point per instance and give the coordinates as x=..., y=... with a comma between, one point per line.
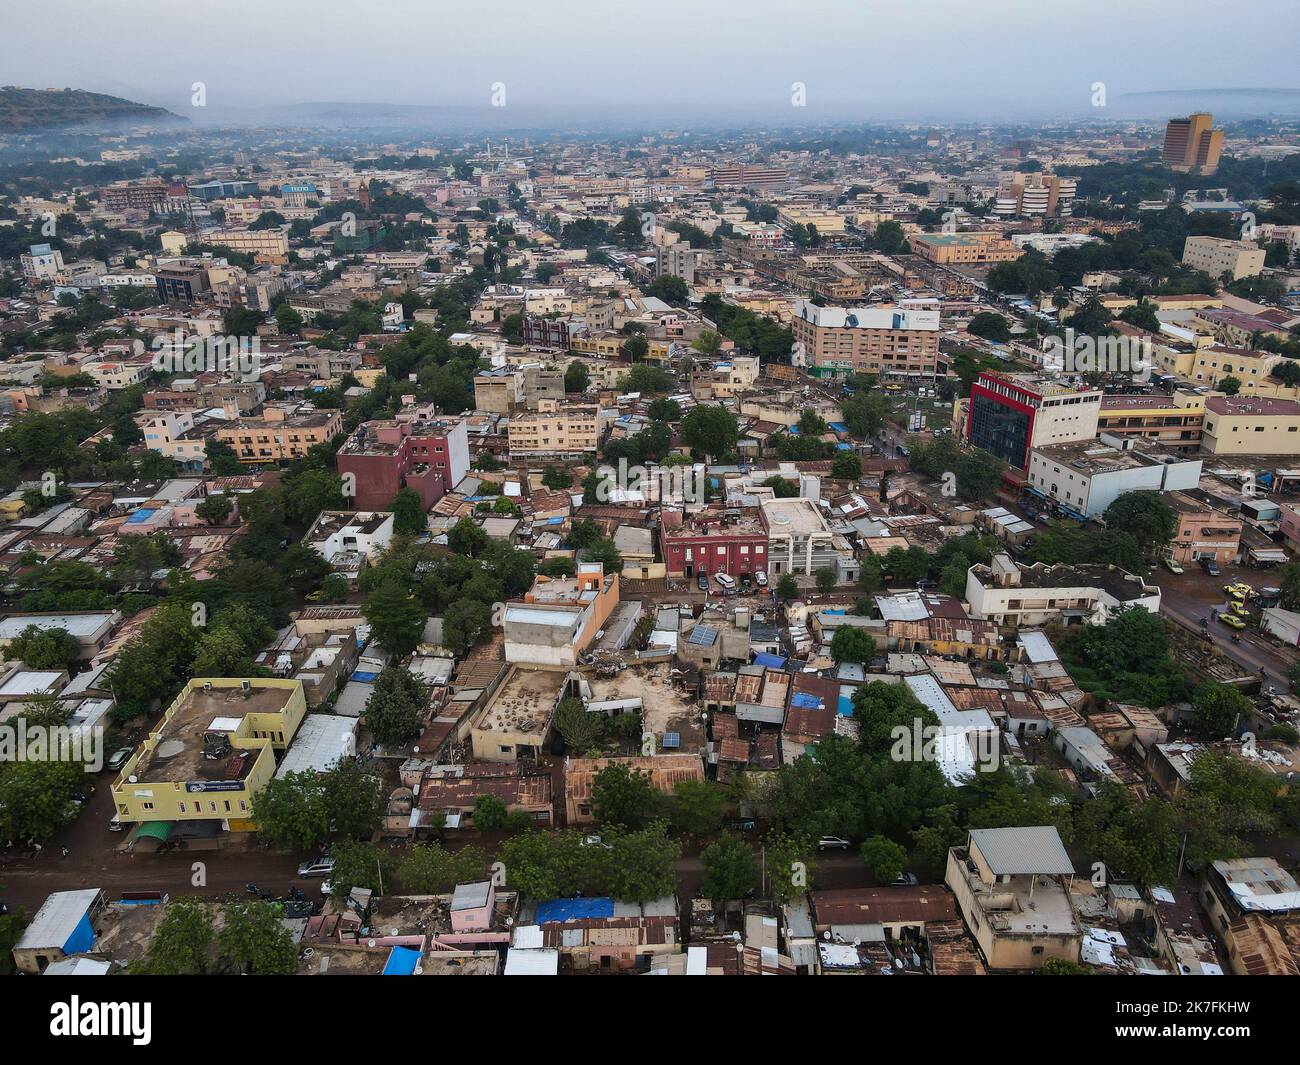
x=712, y=543
x=428, y=456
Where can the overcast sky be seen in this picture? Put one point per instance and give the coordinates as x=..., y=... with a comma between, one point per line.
x=686, y=59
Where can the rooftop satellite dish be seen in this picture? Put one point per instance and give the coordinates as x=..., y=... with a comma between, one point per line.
x=133, y=779
x=370, y=943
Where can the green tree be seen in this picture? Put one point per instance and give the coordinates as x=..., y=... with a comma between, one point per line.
x=1221, y=709
x=254, y=940
x=884, y=858
x=710, y=429
x=826, y=579
x=577, y=378
x=181, y=945
x=38, y=648
x=360, y=865
x=397, y=708
x=698, y=807
x=789, y=866
x=396, y=617
x=787, y=587
x=467, y=538
x=621, y=795
x=580, y=727
x=429, y=869
x=489, y=813
x=465, y=623
x=214, y=509
x=852, y=644
x=846, y=466
x=355, y=799
x=291, y=811
x=730, y=871
x=408, y=511
x=1146, y=517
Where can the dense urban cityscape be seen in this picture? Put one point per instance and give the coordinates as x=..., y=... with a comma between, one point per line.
x=862, y=548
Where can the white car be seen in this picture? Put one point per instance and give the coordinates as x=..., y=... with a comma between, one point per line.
x=760, y=578
x=833, y=843
x=726, y=580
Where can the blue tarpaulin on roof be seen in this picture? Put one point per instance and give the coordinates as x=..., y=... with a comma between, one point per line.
x=143, y=514
x=843, y=447
x=845, y=709
x=401, y=962
x=839, y=427
x=574, y=909
x=805, y=701
x=837, y=613
x=769, y=660
x=82, y=938
x=365, y=678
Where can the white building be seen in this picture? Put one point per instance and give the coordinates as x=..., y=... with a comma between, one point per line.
x=1008, y=593
x=1085, y=477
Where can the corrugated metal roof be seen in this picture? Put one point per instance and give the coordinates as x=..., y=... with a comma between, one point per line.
x=1023, y=851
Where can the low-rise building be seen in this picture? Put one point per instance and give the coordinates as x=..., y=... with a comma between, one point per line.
x=1008, y=886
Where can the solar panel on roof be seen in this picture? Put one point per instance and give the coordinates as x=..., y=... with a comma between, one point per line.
x=672, y=739
x=702, y=636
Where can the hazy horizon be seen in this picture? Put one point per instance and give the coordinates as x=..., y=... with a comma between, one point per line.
x=692, y=64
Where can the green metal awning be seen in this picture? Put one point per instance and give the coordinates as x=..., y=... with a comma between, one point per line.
x=159, y=830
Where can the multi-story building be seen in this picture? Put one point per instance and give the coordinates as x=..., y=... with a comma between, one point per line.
x=1173, y=422
x=281, y=434
x=560, y=617
x=183, y=284
x=712, y=542
x=1009, y=414
x=547, y=334
x=1218, y=256
x=142, y=195
x=1250, y=425
x=41, y=263
x=678, y=258
x=268, y=245
x=556, y=430
x=886, y=340
x=1036, y=195
x=1238, y=329
x=499, y=390
x=1082, y=479
x=1007, y=884
x=949, y=249
x=173, y=433
x=1192, y=143
x=1204, y=531
x=748, y=176
x=800, y=541
x=211, y=754
x=1014, y=595
x=428, y=455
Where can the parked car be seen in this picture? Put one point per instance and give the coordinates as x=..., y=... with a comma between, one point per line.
x=905, y=880
x=760, y=578
x=118, y=758
x=326, y=888
x=833, y=843
x=1232, y=621
x=317, y=867
x=1172, y=566
x=115, y=824
x=726, y=580
x=1210, y=566
x=1239, y=590
x=703, y=581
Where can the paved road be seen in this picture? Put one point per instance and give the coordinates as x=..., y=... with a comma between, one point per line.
x=1191, y=595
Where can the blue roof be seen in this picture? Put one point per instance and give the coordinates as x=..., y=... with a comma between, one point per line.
x=574, y=909
x=845, y=708
x=401, y=962
x=365, y=676
x=839, y=427
x=141, y=515
x=769, y=660
x=806, y=701
x=843, y=447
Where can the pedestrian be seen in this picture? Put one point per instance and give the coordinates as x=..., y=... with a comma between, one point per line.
x=65, y=852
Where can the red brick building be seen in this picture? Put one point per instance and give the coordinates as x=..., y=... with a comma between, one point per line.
x=712, y=543
x=429, y=456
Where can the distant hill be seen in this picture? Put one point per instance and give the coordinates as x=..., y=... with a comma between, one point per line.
x=30, y=110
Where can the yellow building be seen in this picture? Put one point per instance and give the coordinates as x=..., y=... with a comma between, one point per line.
x=268, y=245
x=556, y=429
x=1217, y=256
x=211, y=754
x=280, y=435
x=1250, y=425
x=1174, y=422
